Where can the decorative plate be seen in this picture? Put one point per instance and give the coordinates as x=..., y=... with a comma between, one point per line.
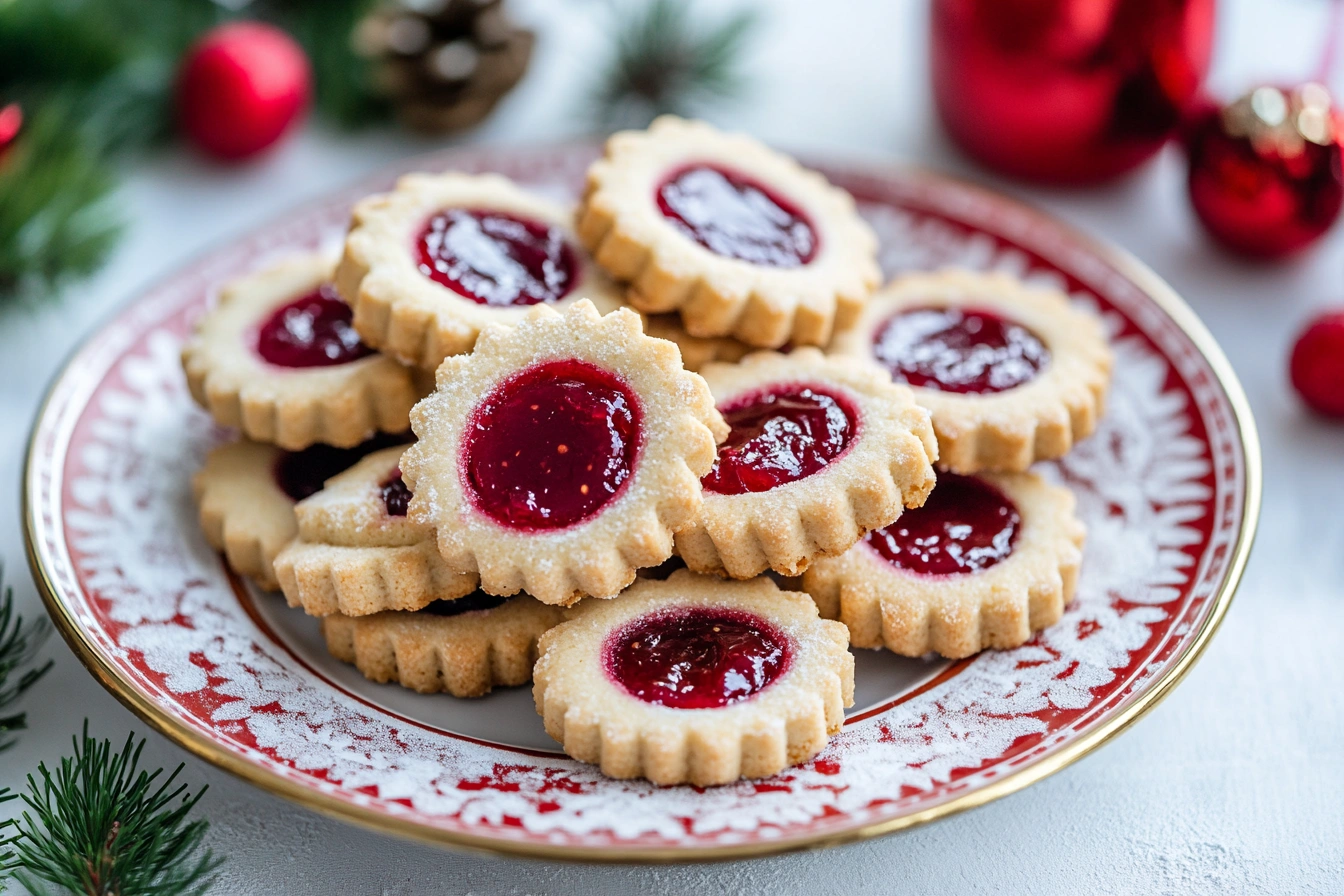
x=1169, y=488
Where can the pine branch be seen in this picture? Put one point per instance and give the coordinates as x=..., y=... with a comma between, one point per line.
x=100, y=825
x=56, y=221
x=19, y=644
x=114, y=60
x=6, y=854
x=95, y=79
x=662, y=61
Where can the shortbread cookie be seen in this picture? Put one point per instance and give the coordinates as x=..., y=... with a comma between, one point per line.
x=429, y=265
x=1011, y=374
x=246, y=493
x=987, y=561
x=465, y=647
x=562, y=454
x=694, y=680
x=696, y=351
x=821, y=451
x=278, y=358
x=357, y=553
x=739, y=239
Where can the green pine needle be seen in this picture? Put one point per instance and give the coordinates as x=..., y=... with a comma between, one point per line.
x=100, y=825
x=19, y=644
x=115, y=60
x=95, y=80
x=663, y=61
x=56, y=221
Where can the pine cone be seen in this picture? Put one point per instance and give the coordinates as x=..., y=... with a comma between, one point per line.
x=444, y=64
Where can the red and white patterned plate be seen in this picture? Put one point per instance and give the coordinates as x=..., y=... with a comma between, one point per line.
x=1169, y=489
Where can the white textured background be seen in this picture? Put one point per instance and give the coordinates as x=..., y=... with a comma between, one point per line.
x=1233, y=785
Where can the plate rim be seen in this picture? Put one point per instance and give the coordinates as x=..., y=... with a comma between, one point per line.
x=1138, y=273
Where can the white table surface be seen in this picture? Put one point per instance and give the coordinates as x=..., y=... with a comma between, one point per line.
x=1234, y=784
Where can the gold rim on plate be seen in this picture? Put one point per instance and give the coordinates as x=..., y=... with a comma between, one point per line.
x=1193, y=647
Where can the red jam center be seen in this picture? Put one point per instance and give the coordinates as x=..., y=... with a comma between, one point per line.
x=477, y=600
x=551, y=445
x=731, y=216
x=696, y=658
x=302, y=473
x=966, y=525
x=311, y=331
x=396, y=496
x=497, y=259
x=958, y=350
x=781, y=435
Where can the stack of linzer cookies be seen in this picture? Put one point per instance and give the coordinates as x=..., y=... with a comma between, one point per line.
x=476, y=444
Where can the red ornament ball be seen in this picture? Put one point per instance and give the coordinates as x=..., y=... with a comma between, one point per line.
x=240, y=88
x=1066, y=91
x=1317, y=364
x=11, y=122
x=1265, y=172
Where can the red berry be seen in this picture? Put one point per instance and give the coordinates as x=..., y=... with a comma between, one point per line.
x=1317, y=364
x=241, y=87
x=11, y=122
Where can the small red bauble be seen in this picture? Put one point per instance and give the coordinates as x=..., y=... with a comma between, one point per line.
x=1317, y=364
x=241, y=87
x=11, y=122
x=1265, y=175
x=1066, y=91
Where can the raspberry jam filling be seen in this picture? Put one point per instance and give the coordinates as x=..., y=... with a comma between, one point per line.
x=496, y=259
x=476, y=600
x=396, y=496
x=958, y=350
x=311, y=331
x=696, y=658
x=780, y=435
x=966, y=525
x=731, y=215
x=302, y=473
x=551, y=445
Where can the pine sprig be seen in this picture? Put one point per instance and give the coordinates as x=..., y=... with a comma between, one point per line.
x=56, y=221
x=100, y=825
x=95, y=79
x=6, y=854
x=664, y=61
x=114, y=60
x=19, y=643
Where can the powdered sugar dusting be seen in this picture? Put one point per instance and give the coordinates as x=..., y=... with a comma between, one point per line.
x=155, y=601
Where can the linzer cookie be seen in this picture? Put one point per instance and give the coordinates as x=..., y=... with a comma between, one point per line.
x=987, y=561
x=356, y=552
x=820, y=451
x=277, y=357
x=465, y=647
x=562, y=454
x=740, y=240
x=246, y=493
x=429, y=265
x=696, y=351
x=694, y=680
x=1011, y=374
